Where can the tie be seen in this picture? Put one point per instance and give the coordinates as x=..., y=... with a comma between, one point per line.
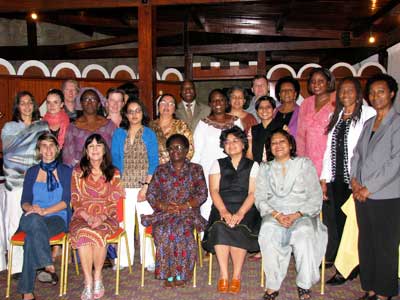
x=189, y=111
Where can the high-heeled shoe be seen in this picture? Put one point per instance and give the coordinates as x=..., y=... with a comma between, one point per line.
x=338, y=278
x=98, y=289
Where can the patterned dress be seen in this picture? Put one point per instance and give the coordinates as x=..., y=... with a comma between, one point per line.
x=173, y=232
x=96, y=197
x=177, y=126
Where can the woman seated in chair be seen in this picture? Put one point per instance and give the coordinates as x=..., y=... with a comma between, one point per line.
x=96, y=189
x=175, y=192
x=289, y=198
x=46, y=204
x=234, y=221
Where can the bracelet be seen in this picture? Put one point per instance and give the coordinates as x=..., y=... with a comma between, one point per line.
x=300, y=213
x=144, y=183
x=276, y=215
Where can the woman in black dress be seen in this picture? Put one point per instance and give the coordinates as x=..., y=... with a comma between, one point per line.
x=234, y=221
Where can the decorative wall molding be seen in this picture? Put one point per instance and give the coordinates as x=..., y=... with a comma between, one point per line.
x=96, y=67
x=66, y=65
x=8, y=66
x=119, y=68
x=33, y=63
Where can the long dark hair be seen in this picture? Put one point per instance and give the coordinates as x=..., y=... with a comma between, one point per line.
x=356, y=115
x=16, y=114
x=125, y=122
x=288, y=136
x=106, y=165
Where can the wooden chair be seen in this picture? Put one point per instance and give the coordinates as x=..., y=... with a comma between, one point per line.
x=18, y=239
x=148, y=234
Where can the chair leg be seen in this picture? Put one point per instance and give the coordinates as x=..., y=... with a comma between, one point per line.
x=262, y=274
x=128, y=253
x=10, y=255
x=323, y=276
x=76, y=261
x=143, y=260
x=210, y=269
x=62, y=278
x=66, y=267
x=118, y=266
x=200, y=250
x=194, y=275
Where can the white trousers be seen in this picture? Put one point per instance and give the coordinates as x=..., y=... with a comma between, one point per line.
x=13, y=215
x=133, y=208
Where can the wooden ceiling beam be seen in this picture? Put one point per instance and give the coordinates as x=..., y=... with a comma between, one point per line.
x=91, y=21
x=102, y=43
x=45, y=5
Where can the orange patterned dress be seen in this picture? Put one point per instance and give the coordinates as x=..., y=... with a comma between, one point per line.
x=96, y=197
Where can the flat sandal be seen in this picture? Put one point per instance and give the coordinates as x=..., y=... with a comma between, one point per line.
x=271, y=296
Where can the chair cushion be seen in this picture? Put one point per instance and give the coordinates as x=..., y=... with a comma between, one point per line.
x=116, y=234
x=149, y=230
x=20, y=237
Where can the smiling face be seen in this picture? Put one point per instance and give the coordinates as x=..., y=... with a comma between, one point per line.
x=217, y=103
x=90, y=103
x=167, y=106
x=177, y=151
x=233, y=145
x=280, y=147
x=188, y=91
x=70, y=91
x=54, y=104
x=380, y=95
x=95, y=151
x=25, y=107
x=348, y=95
x=318, y=84
x=265, y=111
x=287, y=94
x=114, y=103
x=134, y=114
x=48, y=151
x=237, y=99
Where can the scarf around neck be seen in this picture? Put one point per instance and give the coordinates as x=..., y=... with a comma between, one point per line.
x=61, y=118
x=51, y=180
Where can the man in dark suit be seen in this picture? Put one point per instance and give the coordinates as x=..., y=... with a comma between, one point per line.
x=190, y=110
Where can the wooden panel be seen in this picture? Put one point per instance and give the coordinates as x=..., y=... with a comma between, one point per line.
x=3, y=70
x=341, y=72
x=123, y=75
x=172, y=88
x=371, y=71
x=278, y=73
x=95, y=74
x=65, y=73
x=224, y=73
x=34, y=72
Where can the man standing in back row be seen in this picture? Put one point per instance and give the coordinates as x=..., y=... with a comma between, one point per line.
x=259, y=87
x=190, y=110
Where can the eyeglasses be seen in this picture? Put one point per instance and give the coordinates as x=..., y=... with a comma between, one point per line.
x=134, y=111
x=234, y=141
x=89, y=99
x=165, y=103
x=178, y=148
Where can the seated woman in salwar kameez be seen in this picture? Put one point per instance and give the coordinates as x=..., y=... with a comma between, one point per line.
x=176, y=191
x=95, y=191
x=289, y=198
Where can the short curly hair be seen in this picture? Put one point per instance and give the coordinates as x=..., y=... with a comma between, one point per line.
x=390, y=81
x=238, y=133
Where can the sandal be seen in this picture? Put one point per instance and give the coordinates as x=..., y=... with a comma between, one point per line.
x=98, y=289
x=304, y=293
x=270, y=296
x=87, y=293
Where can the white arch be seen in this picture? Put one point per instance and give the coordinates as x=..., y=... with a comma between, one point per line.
x=171, y=71
x=115, y=71
x=8, y=66
x=158, y=77
x=343, y=64
x=66, y=65
x=97, y=67
x=33, y=63
x=305, y=67
x=281, y=66
x=368, y=64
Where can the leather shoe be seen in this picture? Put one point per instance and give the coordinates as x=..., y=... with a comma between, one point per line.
x=222, y=286
x=179, y=283
x=234, y=287
x=337, y=279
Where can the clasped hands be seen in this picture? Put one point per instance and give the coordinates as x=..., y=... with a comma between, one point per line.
x=360, y=192
x=36, y=209
x=287, y=220
x=232, y=219
x=93, y=221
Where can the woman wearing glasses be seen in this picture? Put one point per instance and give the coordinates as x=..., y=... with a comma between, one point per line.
x=233, y=227
x=166, y=125
x=176, y=191
x=91, y=121
x=134, y=152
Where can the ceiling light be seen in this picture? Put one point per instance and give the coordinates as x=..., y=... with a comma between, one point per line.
x=34, y=16
x=371, y=38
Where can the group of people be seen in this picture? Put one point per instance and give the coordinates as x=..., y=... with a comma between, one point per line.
x=253, y=176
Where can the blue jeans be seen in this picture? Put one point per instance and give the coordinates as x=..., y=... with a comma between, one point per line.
x=37, y=252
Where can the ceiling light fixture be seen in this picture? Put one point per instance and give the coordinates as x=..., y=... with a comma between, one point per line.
x=34, y=16
x=371, y=38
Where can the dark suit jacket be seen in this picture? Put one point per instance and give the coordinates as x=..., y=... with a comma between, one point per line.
x=376, y=160
x=200, y=111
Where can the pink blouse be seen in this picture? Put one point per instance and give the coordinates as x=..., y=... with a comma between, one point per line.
x=311, y=130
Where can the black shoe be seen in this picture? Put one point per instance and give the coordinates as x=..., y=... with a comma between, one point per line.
x=337, y=279
x=47, y=277
x=16, y=276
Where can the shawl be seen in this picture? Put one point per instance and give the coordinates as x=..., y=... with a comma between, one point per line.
x=61, y=118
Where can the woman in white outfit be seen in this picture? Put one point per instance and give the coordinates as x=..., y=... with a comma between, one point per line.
x=289, y=198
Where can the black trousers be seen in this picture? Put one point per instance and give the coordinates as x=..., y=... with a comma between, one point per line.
x=378, y=245
x=333, y=216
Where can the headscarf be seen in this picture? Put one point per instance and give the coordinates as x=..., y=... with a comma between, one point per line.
x=78, y=105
